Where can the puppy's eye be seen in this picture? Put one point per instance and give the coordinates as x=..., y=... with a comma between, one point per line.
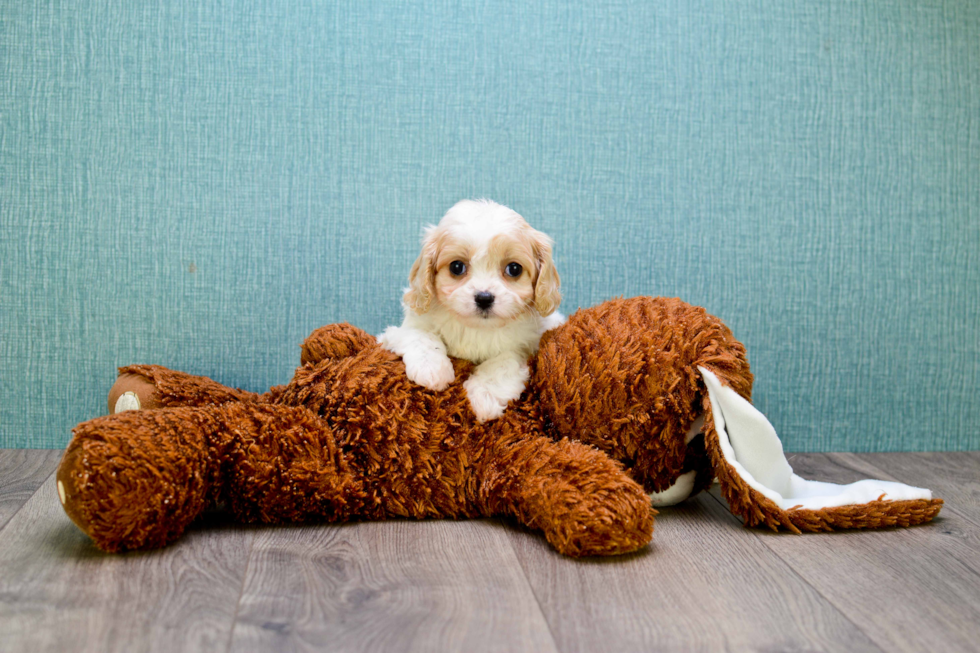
x=513, y=270
x=457, y=268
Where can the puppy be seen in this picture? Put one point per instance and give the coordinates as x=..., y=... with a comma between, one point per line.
x=484, y=288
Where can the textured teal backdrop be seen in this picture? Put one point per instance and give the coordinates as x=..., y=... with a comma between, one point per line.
x=200, y=184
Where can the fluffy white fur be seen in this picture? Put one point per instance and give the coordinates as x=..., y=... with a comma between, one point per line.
x=443, y=314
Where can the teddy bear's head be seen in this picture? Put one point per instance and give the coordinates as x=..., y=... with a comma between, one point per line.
x=622, y=376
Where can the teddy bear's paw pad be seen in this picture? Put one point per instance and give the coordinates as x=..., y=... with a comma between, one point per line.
x=127, y=401
x=132, y=391
x=680, y=490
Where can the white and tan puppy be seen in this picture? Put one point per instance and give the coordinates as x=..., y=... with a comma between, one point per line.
x=484, y=288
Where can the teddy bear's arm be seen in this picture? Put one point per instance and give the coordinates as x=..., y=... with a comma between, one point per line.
x=334, y=341
x=154, y=386
x=580, y=498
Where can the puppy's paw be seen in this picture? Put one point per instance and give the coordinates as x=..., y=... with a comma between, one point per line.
x=486, y=401
x=433, y=371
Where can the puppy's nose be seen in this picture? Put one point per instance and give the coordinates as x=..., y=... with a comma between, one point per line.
x=483, y=299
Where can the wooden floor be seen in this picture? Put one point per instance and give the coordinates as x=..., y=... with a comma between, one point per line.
x=706, y=583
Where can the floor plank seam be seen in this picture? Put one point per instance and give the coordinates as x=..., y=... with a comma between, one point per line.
x=830, y=602
x=948, y=509
x=42, y=453
x=21, y=507
x=241, y=593
x=803, y=580
x=537, y=600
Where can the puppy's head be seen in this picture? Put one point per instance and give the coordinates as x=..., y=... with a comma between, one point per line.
x=486, y=265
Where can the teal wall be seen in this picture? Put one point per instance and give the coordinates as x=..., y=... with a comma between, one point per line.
x=201, y=183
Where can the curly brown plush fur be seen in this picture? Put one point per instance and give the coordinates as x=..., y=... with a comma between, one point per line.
x=603, y=420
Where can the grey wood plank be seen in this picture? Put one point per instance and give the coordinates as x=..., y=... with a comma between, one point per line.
x=57, y=592
x=389, y=586
x=702, y=585
x=21, y=472
x=912, y=589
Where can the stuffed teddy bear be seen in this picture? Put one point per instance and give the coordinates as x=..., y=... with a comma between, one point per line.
x=628, y=400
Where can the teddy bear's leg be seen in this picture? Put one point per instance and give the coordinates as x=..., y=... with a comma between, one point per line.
x=153, y=386
x=137, y=479
x=582, y=499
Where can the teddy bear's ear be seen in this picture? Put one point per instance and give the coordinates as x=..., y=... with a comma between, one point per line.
x=760, y=486
x=547, y=284
x=422, y=278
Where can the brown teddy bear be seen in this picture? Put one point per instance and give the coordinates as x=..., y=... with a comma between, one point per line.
x=628, y=398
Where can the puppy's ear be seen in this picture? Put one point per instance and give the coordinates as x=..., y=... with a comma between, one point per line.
x=422, y=278
x=547, y=285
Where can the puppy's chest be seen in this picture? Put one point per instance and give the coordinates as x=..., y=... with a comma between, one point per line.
x=475, y=352
x=478, y=345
